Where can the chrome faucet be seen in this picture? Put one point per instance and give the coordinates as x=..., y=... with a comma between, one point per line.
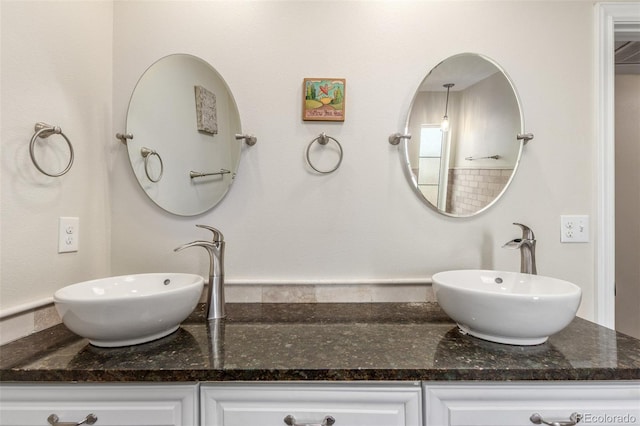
x=527, y=246
x=215, y=248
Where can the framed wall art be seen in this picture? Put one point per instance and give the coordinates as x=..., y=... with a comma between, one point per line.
x=206, y=115
x=323, y=99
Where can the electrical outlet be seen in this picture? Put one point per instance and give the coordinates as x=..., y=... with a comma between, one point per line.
x=68, y=234
x=574, y=229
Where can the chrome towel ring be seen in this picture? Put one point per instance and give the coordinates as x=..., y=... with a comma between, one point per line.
x=323, y=139
x=147, y=153
x=43, y=130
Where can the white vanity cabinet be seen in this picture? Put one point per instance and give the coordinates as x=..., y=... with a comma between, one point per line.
x=114, y=405
x=513, y=404
x=282, y=404
x=322, y=403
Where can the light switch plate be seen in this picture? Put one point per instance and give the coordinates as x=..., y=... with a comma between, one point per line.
x=68, y=234
x=574, y=229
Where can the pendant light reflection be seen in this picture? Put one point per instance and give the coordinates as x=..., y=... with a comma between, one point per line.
x=444, y=126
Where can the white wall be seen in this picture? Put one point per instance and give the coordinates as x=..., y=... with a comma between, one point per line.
x=627, y=94
x=282, y=222
x=56, y=68
x=363, y=221
x=488, y=101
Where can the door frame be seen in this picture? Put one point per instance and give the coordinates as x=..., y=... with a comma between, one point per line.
x=610, y=18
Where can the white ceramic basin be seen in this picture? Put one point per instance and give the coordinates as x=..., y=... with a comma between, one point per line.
x=507, y=307
x=130, y=309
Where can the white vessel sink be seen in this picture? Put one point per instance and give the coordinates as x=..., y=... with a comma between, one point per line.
x=130, y=309
x=507, y=307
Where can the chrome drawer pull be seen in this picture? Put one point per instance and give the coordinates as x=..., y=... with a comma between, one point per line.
x=291, y=421
x=54, y=420
x=574, y=419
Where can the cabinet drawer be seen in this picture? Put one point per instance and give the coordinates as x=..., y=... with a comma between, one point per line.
x=349, y=404
x=129, y=405
x=599, y=403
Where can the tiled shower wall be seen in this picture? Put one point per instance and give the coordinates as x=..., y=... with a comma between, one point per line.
x=472, y=189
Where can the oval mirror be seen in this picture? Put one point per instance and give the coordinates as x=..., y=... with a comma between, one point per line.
x=464, y=120
x=183, y=120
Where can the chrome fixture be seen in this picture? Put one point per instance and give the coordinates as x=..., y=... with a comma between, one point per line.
x=54, y=420
x=395, y=138
x=290, y=420
x=527, y=246
x=44, y=130
x=248, y=139
x=445, y=120
x=323, y=140
x=574, y=419
x=489, y=157
x=215, y=248
x=146, y=154
x=526, y=137
x=216, y=342
x=123, y=137
x=193, y=174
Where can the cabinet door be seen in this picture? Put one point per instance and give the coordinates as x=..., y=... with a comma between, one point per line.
x=484, y=404
x=121, y=405
x=349, y=405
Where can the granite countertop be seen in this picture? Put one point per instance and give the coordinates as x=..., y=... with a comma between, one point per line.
x=380, y=341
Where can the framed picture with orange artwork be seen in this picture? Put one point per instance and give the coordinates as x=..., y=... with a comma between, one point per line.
x=323, y=99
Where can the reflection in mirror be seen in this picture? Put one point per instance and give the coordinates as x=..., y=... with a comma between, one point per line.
x=183, y=121
x=464, y=121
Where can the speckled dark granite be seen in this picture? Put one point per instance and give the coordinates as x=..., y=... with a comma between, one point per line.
x=385, y=341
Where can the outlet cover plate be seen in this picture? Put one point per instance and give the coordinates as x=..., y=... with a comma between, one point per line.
x=574, y=229
x=68, y=234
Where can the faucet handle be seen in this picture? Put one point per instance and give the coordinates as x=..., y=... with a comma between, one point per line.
x=527, y=233
x=217, y=235
x=208, y=245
